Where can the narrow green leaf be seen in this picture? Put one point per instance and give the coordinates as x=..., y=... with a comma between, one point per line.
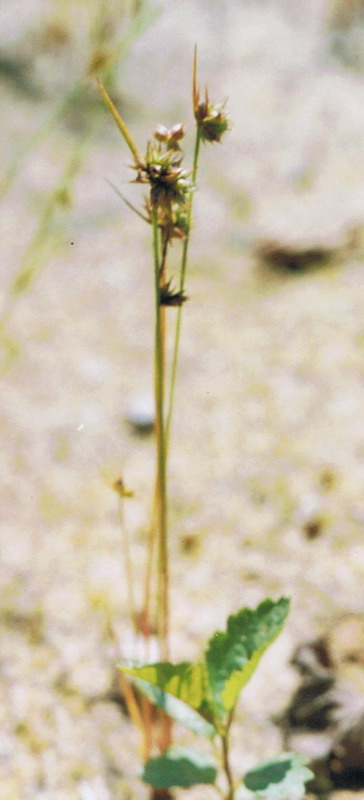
x=233, y=656
x=188, y=682
x=179, y=766
x=177, y=709
x=280, y=778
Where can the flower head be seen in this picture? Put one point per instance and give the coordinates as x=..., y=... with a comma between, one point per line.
x=169, y=182
x=211, y=118
x=170, y=296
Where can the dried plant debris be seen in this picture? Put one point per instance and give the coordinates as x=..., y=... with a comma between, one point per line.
x=325, y=718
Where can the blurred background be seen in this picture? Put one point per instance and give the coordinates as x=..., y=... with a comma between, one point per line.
x=267, y=458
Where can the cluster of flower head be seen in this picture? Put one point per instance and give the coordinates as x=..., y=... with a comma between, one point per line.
x=169, y=201
x=161, y=169
x=170, y=184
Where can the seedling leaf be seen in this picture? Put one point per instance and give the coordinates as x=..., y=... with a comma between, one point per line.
x=233, y=656
x=177, y=709
x=188, y=682
x=179, y=766
x=280, y=778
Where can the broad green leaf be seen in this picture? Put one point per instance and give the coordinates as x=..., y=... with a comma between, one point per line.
x=179, y=766
x=233, y=656
x=188, y=682
x=280, y=778
x=177, y=709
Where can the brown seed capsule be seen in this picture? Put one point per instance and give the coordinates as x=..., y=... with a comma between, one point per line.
x=170, y=297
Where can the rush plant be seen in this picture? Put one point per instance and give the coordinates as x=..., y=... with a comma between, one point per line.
x=203, y=695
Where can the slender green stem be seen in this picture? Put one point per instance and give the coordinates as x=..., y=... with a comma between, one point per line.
x=159, y=376
x=225, y=743
x=145, y=616
x=189, y=214
x=227, y=767
x=164, y=246
x=181, y=288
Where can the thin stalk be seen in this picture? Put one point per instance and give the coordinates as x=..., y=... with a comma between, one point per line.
x=127, y=202
x=145, y=625
x=128, y=566
x=147, y=717
x=164, y=241
x=225, y=742
x=227, y=768
x=135, y=715
x=164, y=244
x=189, y=215
x=159, y=381
x=181, y=288
x=161, y=481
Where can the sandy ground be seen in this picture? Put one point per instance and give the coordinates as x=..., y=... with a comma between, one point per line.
x=268, y=438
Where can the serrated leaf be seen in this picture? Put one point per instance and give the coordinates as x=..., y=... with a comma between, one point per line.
x=280, y=778
x=179, y=766
x=188, y=682
x=177, y=709
x=233, y=656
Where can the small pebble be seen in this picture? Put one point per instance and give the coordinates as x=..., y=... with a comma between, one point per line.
x=141, y=415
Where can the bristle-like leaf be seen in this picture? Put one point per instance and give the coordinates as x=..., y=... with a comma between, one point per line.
x=120, y=123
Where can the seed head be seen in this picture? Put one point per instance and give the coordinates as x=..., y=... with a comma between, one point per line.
x=211, y=118
x=171, y=297
x=169, y=182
